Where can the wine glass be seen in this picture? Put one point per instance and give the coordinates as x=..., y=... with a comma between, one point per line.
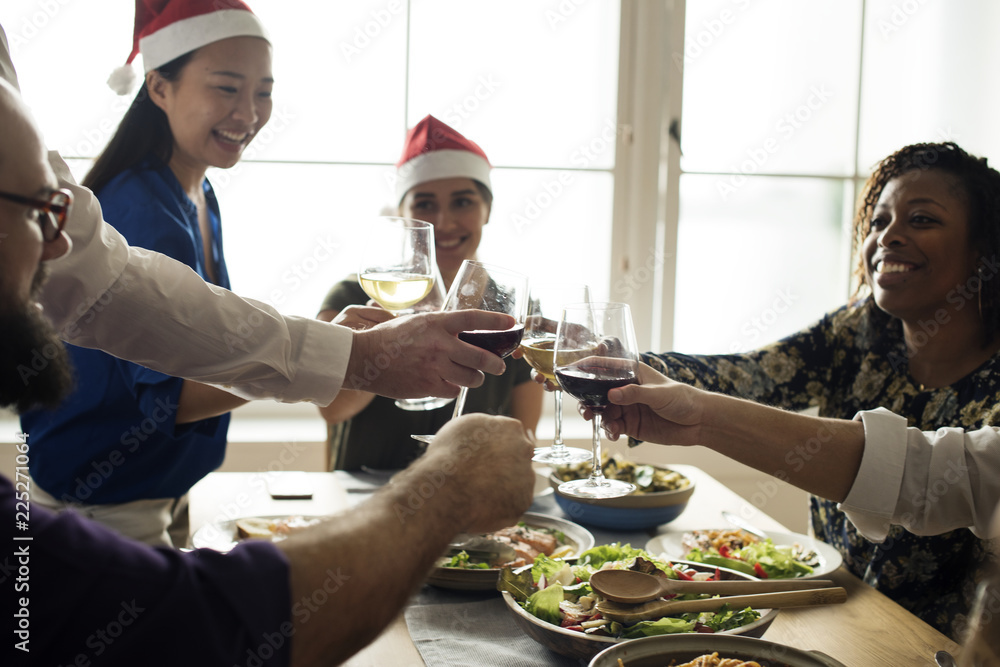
x=538, y=346
x=396, y=267
x=595, y=352
x=484, y=286
x=433, y=302
x=981, y=641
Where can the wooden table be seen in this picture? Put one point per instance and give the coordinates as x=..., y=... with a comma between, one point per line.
x=869, y=630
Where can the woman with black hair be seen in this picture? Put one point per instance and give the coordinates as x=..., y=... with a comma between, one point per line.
x=128, y=443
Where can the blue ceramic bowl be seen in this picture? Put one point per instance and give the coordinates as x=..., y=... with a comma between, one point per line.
x=633, y=512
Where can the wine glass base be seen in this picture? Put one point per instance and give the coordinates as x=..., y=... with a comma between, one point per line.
x=422, y=404
x=562, y=456
x=588, y=489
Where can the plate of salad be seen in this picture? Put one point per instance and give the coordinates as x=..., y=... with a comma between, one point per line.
x=535, y=534
x=552, y=602
x=781, y=556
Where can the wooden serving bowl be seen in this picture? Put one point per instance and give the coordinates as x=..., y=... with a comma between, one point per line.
x=580, y=646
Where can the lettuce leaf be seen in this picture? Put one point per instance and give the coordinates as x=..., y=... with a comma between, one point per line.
x=776, y=561
x=545, y=604
x=663, y=626
x=550, y=567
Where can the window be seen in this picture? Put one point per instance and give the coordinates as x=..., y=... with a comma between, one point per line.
x=782, y=109
x=534, y=84
x=787, y=106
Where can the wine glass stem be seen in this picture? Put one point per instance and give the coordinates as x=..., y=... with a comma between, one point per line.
x=558, y=442
x=597, y=472
x=460, y=403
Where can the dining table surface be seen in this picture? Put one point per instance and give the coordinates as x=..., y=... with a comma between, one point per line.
x=868, y=630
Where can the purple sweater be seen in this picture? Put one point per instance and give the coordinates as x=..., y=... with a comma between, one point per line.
x=77, y=593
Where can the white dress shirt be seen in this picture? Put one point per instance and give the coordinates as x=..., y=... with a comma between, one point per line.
x=929, y=482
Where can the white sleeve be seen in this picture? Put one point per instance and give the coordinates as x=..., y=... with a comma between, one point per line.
x=6, y=66
x=929, y=482
x=148, y=308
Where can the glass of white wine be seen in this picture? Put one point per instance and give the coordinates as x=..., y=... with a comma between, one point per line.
x=538, y=347
x=396, y=267
x=433, y=302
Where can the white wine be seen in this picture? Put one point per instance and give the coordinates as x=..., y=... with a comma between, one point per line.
x=539, y=352
x=395, y=290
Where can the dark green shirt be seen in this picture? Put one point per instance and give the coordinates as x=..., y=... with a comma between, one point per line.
x=379, y=435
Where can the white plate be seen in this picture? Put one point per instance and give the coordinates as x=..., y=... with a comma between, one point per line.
x=222, y=536
x=484, y=580
x=669, y=544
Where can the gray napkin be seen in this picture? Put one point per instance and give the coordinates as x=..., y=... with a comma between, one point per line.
x=478, y=632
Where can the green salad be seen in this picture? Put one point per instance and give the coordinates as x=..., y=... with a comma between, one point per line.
x=559, y=593
x=739, y=550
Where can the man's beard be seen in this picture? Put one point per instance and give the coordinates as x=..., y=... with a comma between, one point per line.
x=34, y=366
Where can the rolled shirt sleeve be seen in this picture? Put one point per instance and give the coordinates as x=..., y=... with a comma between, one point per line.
x=929, y=482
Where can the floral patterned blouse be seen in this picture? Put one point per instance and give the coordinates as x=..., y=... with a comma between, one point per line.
x=855, y=359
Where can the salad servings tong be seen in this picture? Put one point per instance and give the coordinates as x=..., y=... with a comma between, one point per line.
x=630, y=613
x=634, y=587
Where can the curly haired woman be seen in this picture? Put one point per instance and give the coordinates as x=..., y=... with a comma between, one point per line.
x=920, y=338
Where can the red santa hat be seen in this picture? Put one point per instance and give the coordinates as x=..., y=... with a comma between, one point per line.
x=432, y=151
x=167, y=29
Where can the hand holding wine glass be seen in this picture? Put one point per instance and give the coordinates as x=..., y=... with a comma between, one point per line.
x=595, y=351
x=397, y=265
x=481, y=286
x=538, y=347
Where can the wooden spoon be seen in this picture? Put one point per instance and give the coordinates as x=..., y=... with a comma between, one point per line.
x=628, y=613
x=632, y=587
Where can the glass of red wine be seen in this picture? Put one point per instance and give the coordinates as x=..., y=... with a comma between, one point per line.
x=481, y=286
x=595, y=352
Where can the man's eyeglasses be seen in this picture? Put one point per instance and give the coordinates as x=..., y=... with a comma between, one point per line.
x=52, y=214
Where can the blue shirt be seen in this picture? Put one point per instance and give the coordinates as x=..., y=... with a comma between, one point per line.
x=114, y=439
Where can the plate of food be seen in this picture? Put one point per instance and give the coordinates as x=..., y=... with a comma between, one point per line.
x=534, y=534
x=554, y=605
x=224, y=535
x=781, y=556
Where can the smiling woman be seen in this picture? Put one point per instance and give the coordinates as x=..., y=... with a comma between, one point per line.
x=149, y=437
x=921, y=338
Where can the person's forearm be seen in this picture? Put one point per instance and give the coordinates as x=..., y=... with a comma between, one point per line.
x=347, y=404
x=819, y=455
x=350, y=579
x=199, y=401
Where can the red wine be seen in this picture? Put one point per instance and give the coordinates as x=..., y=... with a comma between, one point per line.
x=590, y=383
x=500, y=343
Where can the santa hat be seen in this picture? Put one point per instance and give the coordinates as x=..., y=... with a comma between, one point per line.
x=167, y=29
x=433, y=151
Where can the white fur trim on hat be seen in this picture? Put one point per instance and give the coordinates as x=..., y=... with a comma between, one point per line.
x=122, y=79
x=192, y=33
x=436, y=165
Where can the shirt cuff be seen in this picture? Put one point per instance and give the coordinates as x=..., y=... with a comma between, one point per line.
x=326, y=346
x=872, y=500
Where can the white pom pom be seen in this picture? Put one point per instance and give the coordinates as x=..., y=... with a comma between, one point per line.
x=122, y=79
